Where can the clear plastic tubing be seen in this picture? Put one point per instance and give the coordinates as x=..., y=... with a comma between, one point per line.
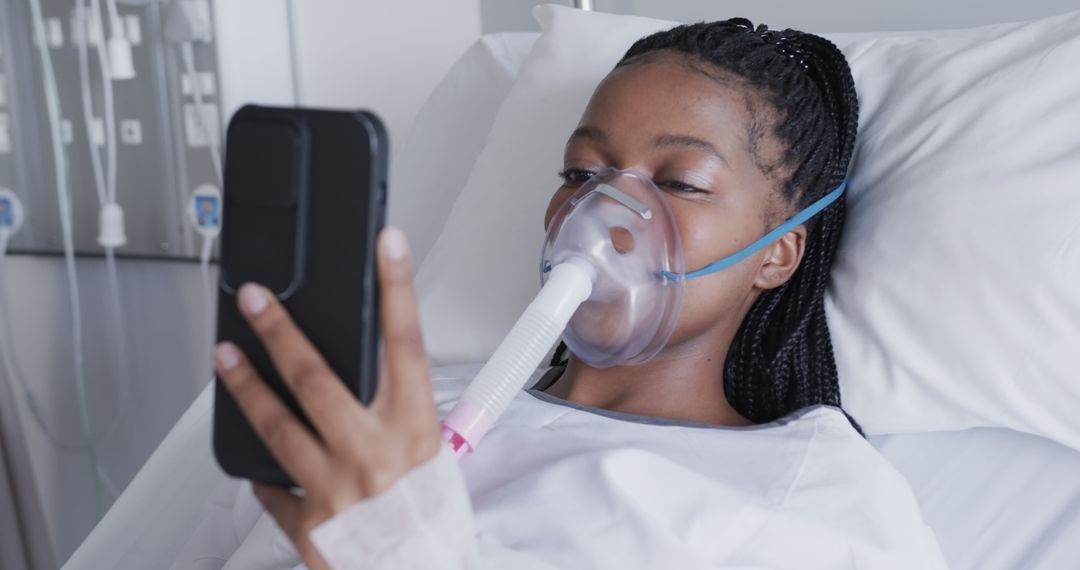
x=519, y=355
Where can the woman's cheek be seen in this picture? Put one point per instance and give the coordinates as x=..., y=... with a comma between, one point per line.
x=706, y=238
x=557, y=200
x=699, y=237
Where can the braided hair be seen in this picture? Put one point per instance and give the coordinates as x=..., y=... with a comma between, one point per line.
x=782, y=357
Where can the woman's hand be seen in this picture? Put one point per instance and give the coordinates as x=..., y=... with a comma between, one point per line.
x=359, y=451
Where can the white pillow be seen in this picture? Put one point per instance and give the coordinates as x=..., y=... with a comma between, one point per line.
x=431, y=167
x=955, y=299
x=483, y=269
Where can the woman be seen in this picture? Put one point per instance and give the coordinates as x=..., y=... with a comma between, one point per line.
x=727, y=449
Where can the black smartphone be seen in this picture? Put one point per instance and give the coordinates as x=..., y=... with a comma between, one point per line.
x=303, y=203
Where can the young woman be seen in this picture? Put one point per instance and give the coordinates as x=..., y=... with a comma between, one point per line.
x=727, y=449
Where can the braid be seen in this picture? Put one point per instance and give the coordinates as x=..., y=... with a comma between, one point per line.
x=782, y=357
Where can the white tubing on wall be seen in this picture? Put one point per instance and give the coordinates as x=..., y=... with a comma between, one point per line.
x=187, y=57
x=60, y=167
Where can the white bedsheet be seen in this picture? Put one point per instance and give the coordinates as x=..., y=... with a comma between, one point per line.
x=995, y=499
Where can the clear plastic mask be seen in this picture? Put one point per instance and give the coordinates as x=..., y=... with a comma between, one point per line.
x=620, y=225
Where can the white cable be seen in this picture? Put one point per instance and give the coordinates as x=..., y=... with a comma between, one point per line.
x=114, y=17
x=111, y=216
x=119, y=333
x=294, y=53
x=121, y=63
x=186, y=23
x=112, y=148
x=12, y=369
x=14, y=372
x=204, y=215
x=119, y=336
x=187, y=55
x=106, y=191
x=108, y=102
x=110, y=191
x=208, y=284
x=83, y=13
x=52, y=102
x=204, y=265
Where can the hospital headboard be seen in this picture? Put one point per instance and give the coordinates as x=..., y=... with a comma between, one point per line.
x=817, y=16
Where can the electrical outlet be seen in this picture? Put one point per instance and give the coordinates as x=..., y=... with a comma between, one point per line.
x=131, y=132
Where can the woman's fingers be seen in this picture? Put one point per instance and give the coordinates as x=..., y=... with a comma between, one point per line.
x=329, y=405
x=294, y=447
x=406, y=382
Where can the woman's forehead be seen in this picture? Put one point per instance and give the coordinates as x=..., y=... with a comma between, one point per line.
x=667, y=96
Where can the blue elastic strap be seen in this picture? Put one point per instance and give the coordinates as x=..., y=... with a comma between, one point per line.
x=795, y=221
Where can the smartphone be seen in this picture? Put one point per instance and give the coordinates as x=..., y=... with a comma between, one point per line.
x=303, y=203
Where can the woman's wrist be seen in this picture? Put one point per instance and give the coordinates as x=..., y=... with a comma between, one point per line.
x=424, y=518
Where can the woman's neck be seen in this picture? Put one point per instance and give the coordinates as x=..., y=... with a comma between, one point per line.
x=683, y=382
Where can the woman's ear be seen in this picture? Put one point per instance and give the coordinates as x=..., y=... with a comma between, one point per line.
x=782, y=258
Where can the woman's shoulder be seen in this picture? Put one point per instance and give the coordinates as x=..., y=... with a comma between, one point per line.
x=845, y=492
x=835, y=449
x=841, y=472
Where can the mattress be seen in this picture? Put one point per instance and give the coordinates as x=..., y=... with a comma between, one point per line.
x=995, y=498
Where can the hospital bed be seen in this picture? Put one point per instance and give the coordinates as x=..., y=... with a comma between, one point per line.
x=995, y=497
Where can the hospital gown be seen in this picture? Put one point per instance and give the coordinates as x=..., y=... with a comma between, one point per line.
x=558, y=485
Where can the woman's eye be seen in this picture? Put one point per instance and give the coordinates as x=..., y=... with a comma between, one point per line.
x=575, y=176
x=679, y=186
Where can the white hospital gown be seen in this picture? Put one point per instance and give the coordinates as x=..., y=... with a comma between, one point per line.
x=556, y=485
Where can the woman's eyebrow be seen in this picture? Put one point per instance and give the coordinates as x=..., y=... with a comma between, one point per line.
x=591, y=133
x=687, y=141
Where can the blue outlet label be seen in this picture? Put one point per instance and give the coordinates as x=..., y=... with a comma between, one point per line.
x=208, y=212
x=7, y=213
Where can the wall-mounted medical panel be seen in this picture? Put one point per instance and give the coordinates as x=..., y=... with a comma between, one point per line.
x=163, y=138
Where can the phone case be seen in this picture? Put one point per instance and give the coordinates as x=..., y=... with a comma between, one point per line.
x=304, y=199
